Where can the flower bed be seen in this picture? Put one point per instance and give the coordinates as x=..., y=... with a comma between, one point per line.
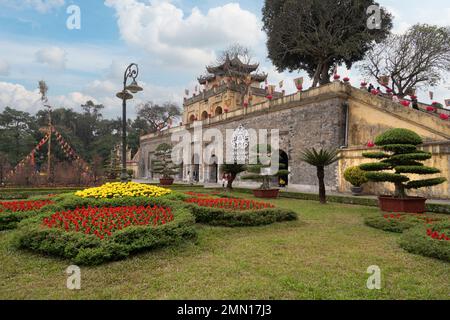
x=121, y=190
x=227, y=212
x=113, y=230
x=400, y=222
x=433, y=241
x=103, y=222
x=12, y=212
x=231, y=204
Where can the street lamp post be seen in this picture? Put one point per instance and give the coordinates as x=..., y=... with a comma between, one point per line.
x=130, y=73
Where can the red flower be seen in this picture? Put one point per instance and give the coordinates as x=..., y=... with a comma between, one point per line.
x=22, y=206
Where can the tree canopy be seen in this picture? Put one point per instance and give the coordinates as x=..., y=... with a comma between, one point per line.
x=417, y=58
x=315, y=35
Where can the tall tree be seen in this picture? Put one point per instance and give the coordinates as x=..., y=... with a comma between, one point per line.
x=417, y=58
x=315, y=35
x=158, y=117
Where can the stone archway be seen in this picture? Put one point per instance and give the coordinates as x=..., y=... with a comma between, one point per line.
x=192, y=118
x=284, y=165
x=218, y=111
x=205, y=115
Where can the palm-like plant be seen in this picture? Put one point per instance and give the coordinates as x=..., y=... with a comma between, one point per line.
x=320, y=159
x=233, y=169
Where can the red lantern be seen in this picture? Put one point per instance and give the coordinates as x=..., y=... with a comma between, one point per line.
x=270, y=97
x=336, y=77
x=226, y=110
x=363, y=84
x=413, y=97
x=405, y=103
x=431, y=109
x=299, y=87
x=443, y=116
x=346, y=79
x=388, y=90
x=375, y=92
x=370, y=144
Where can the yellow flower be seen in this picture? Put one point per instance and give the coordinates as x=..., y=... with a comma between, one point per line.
x=118, y=190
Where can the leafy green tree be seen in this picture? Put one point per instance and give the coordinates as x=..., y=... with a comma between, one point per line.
x=260, y=171
x=320, y=159
x=232, y=169
x=163, y=163
x=315, y=35
x=158, y=117
x=400, y=156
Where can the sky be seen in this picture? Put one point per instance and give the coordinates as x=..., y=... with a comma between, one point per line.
x=170, y=40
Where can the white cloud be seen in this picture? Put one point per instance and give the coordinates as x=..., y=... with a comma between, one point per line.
x=53, y=56
x=161, y=29
x=4, y=68
x=16, y=96
x=42, y=6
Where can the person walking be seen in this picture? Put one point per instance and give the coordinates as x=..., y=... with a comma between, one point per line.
x=224, y=180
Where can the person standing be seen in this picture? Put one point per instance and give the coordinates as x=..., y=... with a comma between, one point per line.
x=224, y=180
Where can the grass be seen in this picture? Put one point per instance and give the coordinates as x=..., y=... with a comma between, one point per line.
x=324, y=255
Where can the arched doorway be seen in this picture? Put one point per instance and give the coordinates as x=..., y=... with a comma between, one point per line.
x=195, y=172
x=204, y=115
x=283, y=180
x=214, y=170
x=218, y=111
x=192, y=118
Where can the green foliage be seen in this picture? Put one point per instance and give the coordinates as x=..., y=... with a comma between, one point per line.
x=321, y=158
x=316, y=35
x=398, y=136
x=374, y=166
x=404, y=159
x=355, y=176
x=85, y=249
x=398, y=223
x=245, y=218
x=256, y=172
x=416, y=241
x=375, y=155
x=163, y=164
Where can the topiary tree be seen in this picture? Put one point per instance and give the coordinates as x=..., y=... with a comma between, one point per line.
x=233, y=169
x=163, y=164
x=259, y=172
x=320, y=159
x=400, y=155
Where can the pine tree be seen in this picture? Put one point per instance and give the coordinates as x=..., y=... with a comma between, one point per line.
x=163, y=163
x=400, y=155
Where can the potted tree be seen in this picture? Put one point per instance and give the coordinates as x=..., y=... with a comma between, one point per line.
x=163, y=164
x=400, y=156
x=357, y=178
x=261, y=172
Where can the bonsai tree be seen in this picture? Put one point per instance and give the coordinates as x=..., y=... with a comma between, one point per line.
x=356, y=177
x=400, y=156
x=320, y=159
x=163, y=164
x=260, y=172
x=233, y=170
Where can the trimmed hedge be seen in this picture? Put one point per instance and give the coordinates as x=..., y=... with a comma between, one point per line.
x=17, y=194
x=244, y=218
x=416, y=240
x=395, y=224
x=85, y=249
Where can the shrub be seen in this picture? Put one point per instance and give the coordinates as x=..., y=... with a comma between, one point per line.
x=230, y=203
x=163, y=163
x=431, y=242
x=12, y=212
x=88, y=249
x=236, y=218
x=403, y=158
x=355, y=176
x=400, y=222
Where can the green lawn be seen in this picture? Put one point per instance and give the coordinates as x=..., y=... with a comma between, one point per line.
x=324, y=255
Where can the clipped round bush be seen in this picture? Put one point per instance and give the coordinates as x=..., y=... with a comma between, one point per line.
x=398, y=136
x=355, y=176
x=432, y=241
x=400, y=222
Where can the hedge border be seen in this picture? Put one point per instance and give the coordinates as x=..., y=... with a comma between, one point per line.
x=89, y=250
x=394, y=225
x=431, y=207
x=244, y=218
x=416, y=241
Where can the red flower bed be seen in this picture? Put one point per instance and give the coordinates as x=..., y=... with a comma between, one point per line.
x=21, y=206
x=198, y=195
x=436, y=235
x=229, y=203
x=104, y=221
